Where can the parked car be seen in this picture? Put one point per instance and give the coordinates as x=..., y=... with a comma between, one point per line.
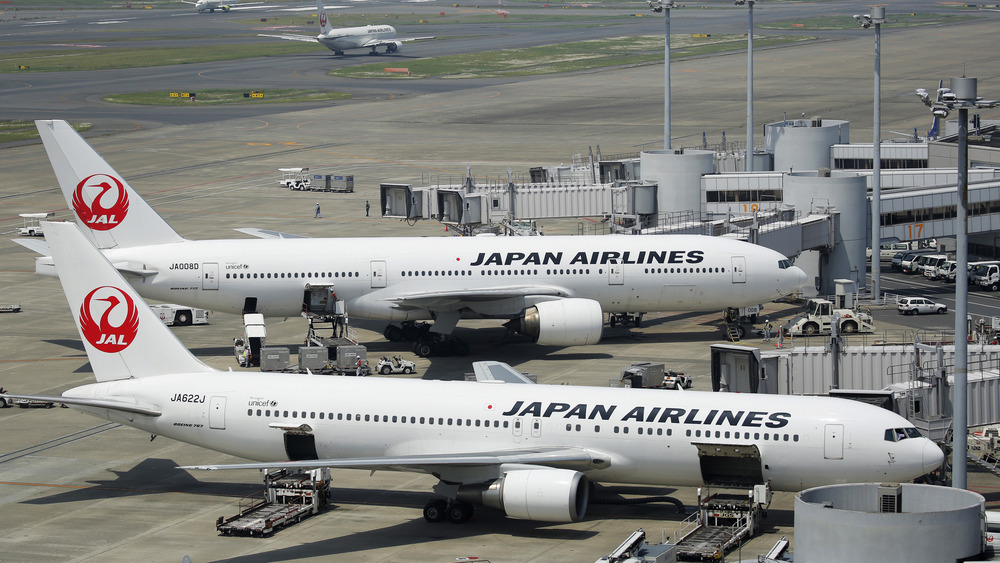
x=918, y=305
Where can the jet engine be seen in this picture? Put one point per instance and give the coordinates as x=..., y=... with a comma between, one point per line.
x=543, y=495
x=563, y=322
x=226, y=8
x=393, y=47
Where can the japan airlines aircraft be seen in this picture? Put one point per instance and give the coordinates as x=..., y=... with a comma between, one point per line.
x=554, y=289
x=211, y=6
x=526, y=449
x=342, y=39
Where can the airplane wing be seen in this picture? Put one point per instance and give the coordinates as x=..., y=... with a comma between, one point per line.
x=265, y=233
x=109, y=404
x=570, y=458
x=381, y=42
x=34, y=245
x=290, y=37
x=498, y=372
x=455, y=298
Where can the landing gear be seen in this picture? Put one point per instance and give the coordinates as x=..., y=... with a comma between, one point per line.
x=406, y=330
x=439, y=510
x=626, y=318
x=436, y=510
x=433, y=344
x=339, y=53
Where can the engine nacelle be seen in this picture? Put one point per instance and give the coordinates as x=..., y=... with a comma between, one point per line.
x=226, y=8
x=394, y=47
x=564, y=322
x=542, y=495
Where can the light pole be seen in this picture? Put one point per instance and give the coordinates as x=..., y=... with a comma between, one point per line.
x=664, y=6
x=876, y=18
x=749, y=3
x=961, y=96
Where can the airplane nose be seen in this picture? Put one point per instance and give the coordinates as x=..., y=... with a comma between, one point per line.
x=933, y=457
x=794, y=280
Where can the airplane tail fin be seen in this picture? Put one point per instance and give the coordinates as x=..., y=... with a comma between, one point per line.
x=324, y=22
x=123, y=337
x=110, y=213
x=934, y=131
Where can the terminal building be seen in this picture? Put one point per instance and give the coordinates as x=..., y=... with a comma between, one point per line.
x=810, y=200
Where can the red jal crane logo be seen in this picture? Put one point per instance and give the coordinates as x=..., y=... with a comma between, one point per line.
x=119, y=319
x=93, y=213
x=322, y=19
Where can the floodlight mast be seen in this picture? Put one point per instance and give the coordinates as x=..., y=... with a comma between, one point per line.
x=749, y=153
x=961, y=96
x=877, y=17
x=664, y=6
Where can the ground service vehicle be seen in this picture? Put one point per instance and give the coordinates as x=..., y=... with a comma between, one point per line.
x=887, y=251
x=946, y=271
x=32, y=223
x=918, y=305
x=386, y=366
x=907, y=264
x=179, y=315
x=819, y=318
x=928, y=264
x=987, y=275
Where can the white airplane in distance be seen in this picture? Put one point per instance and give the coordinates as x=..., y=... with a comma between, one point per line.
x=340, y=39
x=211, y=6
x=554, y=289
x=503, y=442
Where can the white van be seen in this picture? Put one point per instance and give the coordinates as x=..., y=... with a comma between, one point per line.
x=992, y=539
x=887, y=251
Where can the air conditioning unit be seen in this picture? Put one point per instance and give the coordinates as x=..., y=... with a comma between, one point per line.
x=890, y=497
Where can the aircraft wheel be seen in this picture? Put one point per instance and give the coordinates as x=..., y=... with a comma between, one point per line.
x=410, y=332
x=443, y=348
x=436, y=510
x=393, y=333
x=423, y=348
x=460, y=512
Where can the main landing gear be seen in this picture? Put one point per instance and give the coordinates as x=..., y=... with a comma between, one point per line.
x=439, y=510
x=426, y=343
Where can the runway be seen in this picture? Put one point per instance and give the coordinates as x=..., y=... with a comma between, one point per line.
x=73, y=488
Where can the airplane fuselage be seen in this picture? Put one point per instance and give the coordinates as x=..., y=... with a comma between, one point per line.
x=633, y=435
x=342, y=39
x=622, y=273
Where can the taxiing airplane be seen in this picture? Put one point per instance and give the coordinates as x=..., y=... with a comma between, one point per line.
x=343, y=39
x=523, y=448
x=554, y=289
x=211, y=6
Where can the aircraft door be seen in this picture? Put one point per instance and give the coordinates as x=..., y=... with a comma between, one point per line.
x=739, y=269
x=536, y=428
x=217, y=413
x=833, y=443
x=616, y=274
x=210, y=275
x=517, y=429
x=300, y=446
x=378, y=273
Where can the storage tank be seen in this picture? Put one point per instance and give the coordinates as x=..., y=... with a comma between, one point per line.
x=678, y=175
x=887, y=522
x=804, y=144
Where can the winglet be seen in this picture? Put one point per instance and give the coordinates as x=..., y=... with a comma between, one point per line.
x=109, y=211
x=122, y=335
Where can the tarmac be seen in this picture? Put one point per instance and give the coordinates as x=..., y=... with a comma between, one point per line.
x=75, y=488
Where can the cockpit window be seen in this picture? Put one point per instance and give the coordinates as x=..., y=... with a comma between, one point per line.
x=897, y=434
x=784, y=264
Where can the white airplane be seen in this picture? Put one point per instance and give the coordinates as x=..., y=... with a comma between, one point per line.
x=554, y=289
x=526, y=449
x=211, y=6
x=342, y=39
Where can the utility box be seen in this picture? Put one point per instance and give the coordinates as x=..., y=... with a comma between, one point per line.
x=340, y=182
x=314, y=358
x=274, y=358
x=643, y=374
x=348, y=356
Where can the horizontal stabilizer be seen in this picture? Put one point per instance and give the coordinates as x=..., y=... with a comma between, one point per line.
x=498, y=372
x=34, y=245
x=109, y=404
x=266, y=233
